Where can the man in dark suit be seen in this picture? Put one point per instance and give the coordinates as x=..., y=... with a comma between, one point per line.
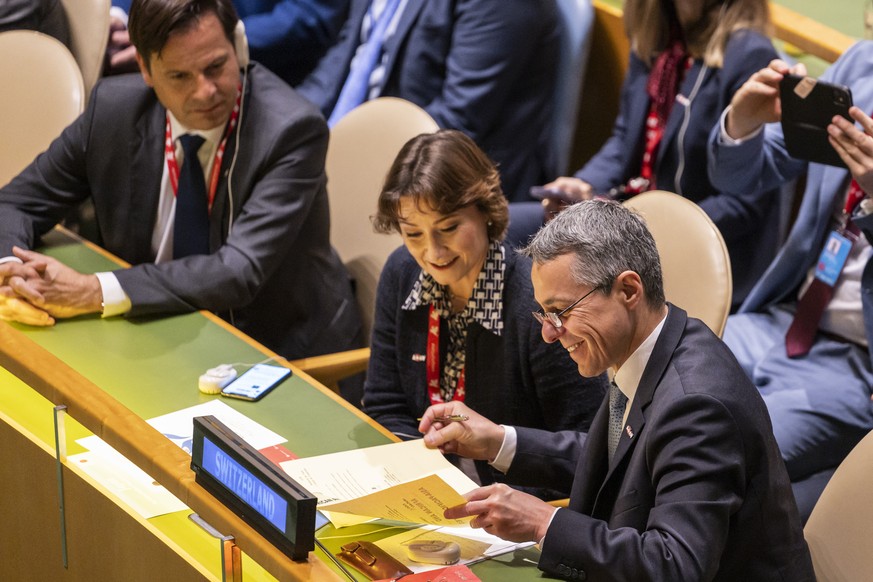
x=263, y=258
x=680, y=477
x=485, y=67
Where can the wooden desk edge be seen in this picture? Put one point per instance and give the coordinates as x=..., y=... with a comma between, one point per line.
x=143, y=445
x=809, y=35
x=134, y=438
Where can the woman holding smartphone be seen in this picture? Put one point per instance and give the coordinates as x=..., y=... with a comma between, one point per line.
x=453, y=311
x=688, y=57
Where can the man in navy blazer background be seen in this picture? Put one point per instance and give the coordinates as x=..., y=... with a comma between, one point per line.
x=680, y=477
x=485, y=67
x=267, y=266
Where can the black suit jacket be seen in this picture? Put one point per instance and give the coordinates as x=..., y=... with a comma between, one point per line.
x=485, y=67
x=696, y=490
x=274, y=274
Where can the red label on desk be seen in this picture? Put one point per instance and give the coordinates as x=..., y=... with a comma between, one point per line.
x=278, y=454
x=448, y=574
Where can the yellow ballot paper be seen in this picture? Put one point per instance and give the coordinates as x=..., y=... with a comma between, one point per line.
x=400, y=481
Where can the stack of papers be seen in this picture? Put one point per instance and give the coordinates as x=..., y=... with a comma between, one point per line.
x=404, y=482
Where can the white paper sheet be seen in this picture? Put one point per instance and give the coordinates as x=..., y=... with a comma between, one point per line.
x=179, y=426
x=365, y=475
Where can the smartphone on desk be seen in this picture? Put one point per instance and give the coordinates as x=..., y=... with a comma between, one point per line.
x=808, y=106
x=254, y=384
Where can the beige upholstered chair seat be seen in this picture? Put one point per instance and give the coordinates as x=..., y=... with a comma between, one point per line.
x=363, y=145
x=694, y=258
x=42, y=93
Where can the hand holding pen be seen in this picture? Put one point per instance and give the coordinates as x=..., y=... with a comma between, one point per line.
x=449, y=418
x=453, y=427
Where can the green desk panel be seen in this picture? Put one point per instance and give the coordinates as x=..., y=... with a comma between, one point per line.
x=152, y=365
x=33, y=415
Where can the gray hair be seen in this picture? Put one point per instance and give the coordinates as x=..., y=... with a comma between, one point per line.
x=606, y=239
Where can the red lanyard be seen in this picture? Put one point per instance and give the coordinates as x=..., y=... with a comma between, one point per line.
x=170, y=152
x=654, y=132
x=853, y=198
x=433, y=362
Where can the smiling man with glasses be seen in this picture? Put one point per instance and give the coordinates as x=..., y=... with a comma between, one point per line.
x=555, y=318
x=679, y=477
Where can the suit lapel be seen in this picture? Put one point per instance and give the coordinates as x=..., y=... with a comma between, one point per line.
x=396, y=40
x=147, y=159
x=662, y=353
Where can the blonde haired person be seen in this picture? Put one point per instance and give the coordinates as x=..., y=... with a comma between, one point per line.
x=688, y=58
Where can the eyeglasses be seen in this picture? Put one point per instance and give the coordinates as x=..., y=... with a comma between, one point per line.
x=555, y=317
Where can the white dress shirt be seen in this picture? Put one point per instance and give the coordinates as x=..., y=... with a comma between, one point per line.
x=115, y=300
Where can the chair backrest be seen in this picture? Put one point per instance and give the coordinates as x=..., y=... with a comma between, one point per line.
x=42, y=93
x=89, y=34
x=363, y=145
x=838, y=530
x=694, y=258
x=576, y=22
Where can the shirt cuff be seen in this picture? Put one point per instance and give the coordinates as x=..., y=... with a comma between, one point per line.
x=11, y=259
x=723, y=136
x=507, y=450
x=551, y=519
x=118, y=13
x=115, y=300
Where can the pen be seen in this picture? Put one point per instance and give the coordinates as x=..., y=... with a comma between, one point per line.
x=450, y=418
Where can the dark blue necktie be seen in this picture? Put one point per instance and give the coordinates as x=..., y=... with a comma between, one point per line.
x=191, y=225
x=357, y=84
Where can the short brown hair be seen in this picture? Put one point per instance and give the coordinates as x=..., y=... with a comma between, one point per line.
x=152, y=22
x=446, y=171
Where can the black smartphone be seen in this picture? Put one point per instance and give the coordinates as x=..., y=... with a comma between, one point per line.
x=808, y=106
x=542, y=193
x=256, y=382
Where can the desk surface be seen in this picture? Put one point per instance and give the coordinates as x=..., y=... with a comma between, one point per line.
x=152, y=366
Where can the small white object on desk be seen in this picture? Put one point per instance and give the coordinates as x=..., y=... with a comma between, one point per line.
x=216, y=378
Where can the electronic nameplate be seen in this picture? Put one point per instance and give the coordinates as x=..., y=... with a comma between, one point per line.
x=253, y=487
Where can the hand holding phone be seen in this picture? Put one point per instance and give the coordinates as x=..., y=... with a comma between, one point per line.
x=551, y=194
x=256, y=382
x=808, y=106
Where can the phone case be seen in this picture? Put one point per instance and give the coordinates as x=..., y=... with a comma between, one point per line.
x=372, y=560
x=808, y=106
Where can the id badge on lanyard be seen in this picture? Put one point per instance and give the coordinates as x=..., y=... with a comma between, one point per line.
x=839, y=243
